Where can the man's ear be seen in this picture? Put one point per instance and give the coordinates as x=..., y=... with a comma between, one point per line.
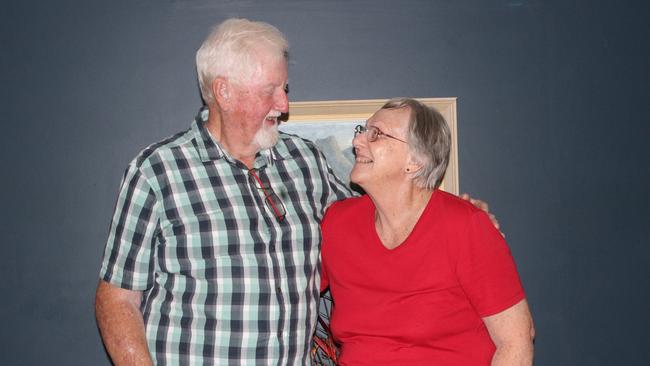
x=221, y=90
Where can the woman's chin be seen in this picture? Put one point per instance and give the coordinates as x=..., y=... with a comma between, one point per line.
x=356, y=176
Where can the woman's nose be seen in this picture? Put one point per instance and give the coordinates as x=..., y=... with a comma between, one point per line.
x=359, y=140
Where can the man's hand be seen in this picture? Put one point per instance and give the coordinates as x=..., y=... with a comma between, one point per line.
x=121, y=324
x=483, y=206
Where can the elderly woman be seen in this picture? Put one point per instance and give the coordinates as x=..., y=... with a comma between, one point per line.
x=417, y=275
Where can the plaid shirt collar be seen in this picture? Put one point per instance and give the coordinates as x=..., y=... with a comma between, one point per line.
x=209, y=149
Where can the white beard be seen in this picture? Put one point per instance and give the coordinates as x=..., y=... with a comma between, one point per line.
x=266, y=137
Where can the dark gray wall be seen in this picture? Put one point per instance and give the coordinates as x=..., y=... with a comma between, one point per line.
x=553, y=130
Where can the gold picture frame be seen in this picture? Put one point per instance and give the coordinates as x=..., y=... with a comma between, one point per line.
x=322, y=120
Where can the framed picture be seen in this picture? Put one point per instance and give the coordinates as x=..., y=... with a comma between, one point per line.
x=330, y=125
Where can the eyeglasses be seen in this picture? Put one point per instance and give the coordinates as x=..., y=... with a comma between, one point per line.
x=271, y=199
x=373, y=133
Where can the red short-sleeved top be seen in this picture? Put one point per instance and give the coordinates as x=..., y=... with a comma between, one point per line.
x=422, y=302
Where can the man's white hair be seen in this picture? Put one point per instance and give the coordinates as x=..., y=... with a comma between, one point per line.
x=232, y=51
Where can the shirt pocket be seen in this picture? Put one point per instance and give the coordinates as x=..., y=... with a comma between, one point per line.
x=198, y=244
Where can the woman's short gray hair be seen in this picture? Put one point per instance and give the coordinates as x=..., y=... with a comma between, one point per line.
x=231, y=50
x=429, y=139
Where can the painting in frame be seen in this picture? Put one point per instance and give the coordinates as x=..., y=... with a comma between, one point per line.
x=330, y=125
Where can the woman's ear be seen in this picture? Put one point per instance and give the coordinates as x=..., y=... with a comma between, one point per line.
x=412, y=166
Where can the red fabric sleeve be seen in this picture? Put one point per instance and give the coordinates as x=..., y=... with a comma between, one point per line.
x=486, y=269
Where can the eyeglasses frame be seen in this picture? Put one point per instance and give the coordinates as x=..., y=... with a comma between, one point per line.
x=279, y=211
x=361, y=129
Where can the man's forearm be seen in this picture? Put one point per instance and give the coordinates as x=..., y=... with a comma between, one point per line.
x=121, y=325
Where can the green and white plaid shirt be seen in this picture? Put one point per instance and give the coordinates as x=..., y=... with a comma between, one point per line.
x=224, y=281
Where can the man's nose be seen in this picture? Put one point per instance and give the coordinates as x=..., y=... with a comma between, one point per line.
x=282, y=102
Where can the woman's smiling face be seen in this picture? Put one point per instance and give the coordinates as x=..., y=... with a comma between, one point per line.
x=382, y=161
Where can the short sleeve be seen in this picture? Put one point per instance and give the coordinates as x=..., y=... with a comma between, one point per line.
x=486, y=269
x=128, y=256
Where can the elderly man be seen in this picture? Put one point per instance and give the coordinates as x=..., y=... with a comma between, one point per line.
x=213, y=252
